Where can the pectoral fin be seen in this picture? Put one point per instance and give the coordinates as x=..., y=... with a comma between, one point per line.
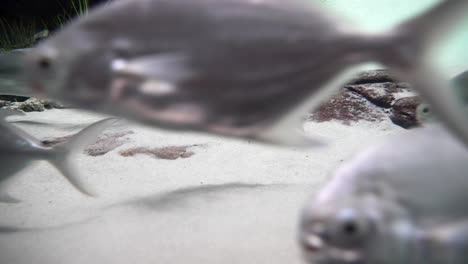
x=162, y=67
x=7, y=198
x=449, y=243
x=4, y=113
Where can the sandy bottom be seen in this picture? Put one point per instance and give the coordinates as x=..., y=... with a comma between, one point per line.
x=232, y=201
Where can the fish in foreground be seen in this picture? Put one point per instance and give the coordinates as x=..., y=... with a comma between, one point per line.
x=18, y=149
x=240, y=68
x=400, y=201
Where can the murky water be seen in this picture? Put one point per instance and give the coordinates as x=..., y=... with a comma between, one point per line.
x=451, y=57
x=10, y=80
x=160, y=211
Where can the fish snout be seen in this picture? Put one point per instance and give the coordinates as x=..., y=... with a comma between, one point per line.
x=40, y=67
x=315, y=250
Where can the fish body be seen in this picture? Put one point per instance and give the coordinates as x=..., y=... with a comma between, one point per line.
x=240, y=68
x=400, y=201
x=18, y=149
x=424, y=111
x=461, y=86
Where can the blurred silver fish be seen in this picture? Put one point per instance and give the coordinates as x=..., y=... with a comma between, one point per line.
x=461, y=86
x=403, y=200
x=241, y=68
x=18, y=149
x=424, y=111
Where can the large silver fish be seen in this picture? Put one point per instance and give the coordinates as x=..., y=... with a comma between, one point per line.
x=18, y=149
x=401, y=201
x=241, y=68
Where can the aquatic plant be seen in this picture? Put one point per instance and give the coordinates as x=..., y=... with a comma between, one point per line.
x=78, y=8
x=16, y=34
x=20, y=34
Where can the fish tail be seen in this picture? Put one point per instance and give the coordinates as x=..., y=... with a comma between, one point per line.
x=62, y=159
x=7, y=198
x=405, y=49
x=4, y=113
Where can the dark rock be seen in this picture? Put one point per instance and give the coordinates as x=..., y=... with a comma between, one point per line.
x=30, y=105
x=4, y=103
x=404, y=111
x=374, y=76
x=13, y=98
x=348, y=107
x=372, y=96
x=169, y=153
x=380, y=94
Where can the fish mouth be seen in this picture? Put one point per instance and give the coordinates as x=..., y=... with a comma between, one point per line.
x=312, y=243
x=316, y=251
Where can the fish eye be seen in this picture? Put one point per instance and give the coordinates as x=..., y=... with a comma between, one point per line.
x=44, y=63
x=349, y=229
x=425, y=110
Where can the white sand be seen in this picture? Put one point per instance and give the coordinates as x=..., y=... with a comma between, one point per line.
x=232, y=202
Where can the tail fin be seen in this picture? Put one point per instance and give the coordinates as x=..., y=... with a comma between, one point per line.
x=408, y=56
x=77, y=143
x=434, y=25
x=4, y=113
x=7, y=198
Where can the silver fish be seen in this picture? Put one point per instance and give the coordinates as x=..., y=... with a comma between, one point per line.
x=424, y=111
x=400, y=201
x=18, y=149
x=240, y=68
x=461, y=86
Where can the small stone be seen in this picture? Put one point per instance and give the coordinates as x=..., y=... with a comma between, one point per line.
x=404, y=111
x=168, y=153
x=380, y=94
x=53, y=104
x=40, y=36
x=4, y=103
